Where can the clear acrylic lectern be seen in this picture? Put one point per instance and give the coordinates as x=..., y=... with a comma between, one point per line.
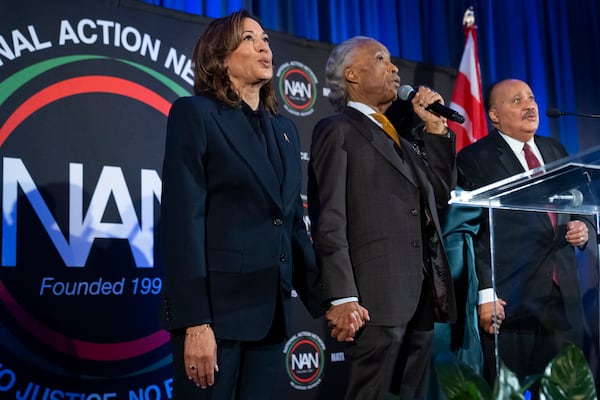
x=567, y=186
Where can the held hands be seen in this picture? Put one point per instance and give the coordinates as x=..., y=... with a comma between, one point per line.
x=346, y=319
x=486, y=316
x=200, y=355
x=433, y=123
x=577, y=233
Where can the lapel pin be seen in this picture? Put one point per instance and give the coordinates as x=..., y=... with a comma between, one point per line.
x=285, y=136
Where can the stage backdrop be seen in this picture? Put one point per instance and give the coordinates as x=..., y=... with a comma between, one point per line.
x=85, y=89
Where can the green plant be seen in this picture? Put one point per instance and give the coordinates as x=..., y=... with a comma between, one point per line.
x=567, y=376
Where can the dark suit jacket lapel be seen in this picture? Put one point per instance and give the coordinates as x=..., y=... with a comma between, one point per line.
x=290, y=155
x=513, y=166
x=549, y=152
x=507, y=159
x=377, y=138
x=240, y=135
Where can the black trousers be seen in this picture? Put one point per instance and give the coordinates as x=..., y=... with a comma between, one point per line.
x=527, y=351
x=393, y=359
x=247, y=370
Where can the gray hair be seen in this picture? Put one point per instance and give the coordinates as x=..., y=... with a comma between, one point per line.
x=338, y=60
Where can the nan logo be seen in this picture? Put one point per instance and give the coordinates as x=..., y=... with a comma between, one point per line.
x=304, y=360
x=298, y=88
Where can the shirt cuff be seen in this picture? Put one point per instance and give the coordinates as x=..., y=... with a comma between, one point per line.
x=487, y=296
x=343, y=300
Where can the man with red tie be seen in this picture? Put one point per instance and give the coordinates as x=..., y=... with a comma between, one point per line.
x=538, y=302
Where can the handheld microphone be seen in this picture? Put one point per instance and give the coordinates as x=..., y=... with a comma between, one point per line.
x=406, y=93
x=555, y=113
x=572, y=197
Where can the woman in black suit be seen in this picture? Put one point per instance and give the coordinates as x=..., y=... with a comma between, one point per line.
x=232, y=230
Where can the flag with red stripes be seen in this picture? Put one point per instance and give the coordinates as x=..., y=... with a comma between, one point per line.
x=467, y=98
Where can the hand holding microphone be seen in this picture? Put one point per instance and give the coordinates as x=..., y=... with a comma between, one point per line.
x=407, y=93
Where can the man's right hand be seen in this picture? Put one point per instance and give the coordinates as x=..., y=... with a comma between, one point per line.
x=346, y=319
x=486, y=316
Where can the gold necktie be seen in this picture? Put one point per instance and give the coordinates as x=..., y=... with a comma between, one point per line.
x=387, y=127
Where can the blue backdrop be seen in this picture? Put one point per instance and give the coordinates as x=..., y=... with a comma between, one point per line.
x=552, y=44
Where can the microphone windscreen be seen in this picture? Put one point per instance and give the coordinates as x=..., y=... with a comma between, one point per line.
x=577, y=197
x=553, y=113
x=406, y=92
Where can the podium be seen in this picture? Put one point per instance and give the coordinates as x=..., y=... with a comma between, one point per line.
x=516, y=208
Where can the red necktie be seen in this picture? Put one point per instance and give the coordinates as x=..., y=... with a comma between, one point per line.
x=530, y=157
x=533, y=162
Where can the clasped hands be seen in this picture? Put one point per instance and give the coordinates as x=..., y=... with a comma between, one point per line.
x=346, y=319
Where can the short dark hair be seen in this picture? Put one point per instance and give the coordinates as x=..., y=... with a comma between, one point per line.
x=487, y=98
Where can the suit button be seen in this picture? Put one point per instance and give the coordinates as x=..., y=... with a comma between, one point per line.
x=414, y=212
x=277, y=222
x=416, y=244
x=282, y=257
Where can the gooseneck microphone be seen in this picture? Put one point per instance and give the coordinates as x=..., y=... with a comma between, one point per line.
x=406, y=93
x=571, y=197
x=555, y=113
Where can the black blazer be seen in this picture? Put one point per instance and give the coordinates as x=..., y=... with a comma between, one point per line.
x=526, y=245
x=365, y=210
x=233, y=236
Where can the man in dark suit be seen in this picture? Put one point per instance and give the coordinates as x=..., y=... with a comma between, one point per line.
x=373, y=208
x=537, y=295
